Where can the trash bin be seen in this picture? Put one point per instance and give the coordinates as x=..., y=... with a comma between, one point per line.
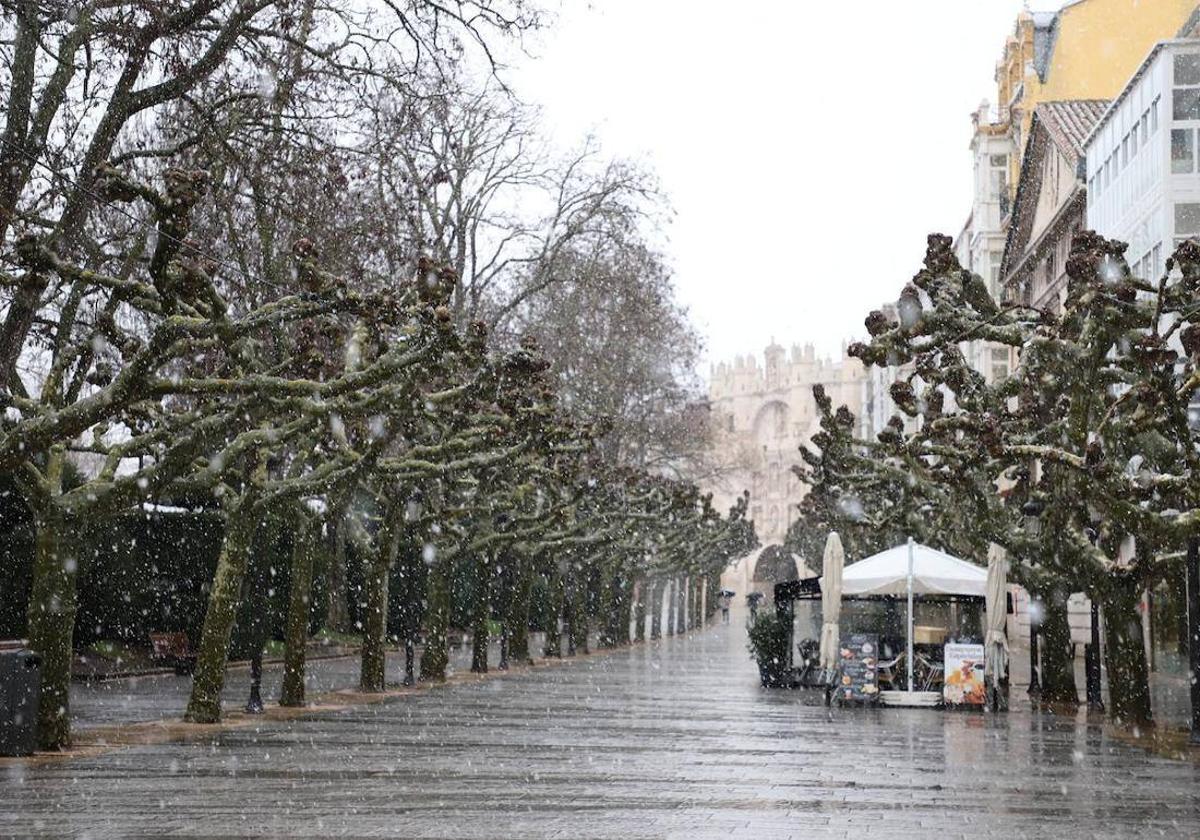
x=20, y=690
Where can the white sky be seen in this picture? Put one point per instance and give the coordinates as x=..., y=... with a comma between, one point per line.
x=807, y=148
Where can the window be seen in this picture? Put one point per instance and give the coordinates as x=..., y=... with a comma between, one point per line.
x=1125, y=152
x=1000, y=184
x=1185, y=104
x=1145, y=127
x=1187, y=69
x=1133, y=144
x=1187, y=221
x=1183, y=150
x=1154, y=115
x=1156, y=260
x=999, y=365
x=999, y=161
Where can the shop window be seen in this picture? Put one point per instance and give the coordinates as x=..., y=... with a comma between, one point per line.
x=1183, y=150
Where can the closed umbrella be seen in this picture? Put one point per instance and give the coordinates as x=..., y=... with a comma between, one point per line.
x=996, y=643
x=831, y=601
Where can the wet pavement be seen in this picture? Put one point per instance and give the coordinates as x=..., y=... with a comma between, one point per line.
x=164, y=696
x=668, y=740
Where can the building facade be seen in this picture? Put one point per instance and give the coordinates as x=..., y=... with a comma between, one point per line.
x=1051, y=203
x=762, y=412
x=1143, y=162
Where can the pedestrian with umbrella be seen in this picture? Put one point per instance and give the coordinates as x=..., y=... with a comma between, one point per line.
x=726, y=599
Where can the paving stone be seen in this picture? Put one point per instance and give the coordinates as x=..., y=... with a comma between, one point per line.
x=669, y=740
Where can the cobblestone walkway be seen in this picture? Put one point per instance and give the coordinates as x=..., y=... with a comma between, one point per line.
x=672, y=740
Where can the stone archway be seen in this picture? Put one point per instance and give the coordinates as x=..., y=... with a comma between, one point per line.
x=775, y=565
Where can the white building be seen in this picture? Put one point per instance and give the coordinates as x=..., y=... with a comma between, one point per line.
x=979, y=246
x=1143, y=159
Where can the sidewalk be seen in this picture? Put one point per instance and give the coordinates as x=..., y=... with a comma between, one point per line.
x=1170, y=695
x=163, y=696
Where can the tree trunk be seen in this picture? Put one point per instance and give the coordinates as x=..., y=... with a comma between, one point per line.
x=639, y=609
x=204, y=704
x=517, y=620
x=1124, y=654
x=483, y=612
x=337, y=616
x=374, y=649
x=553, y=610
x=1058, y=666
x=579, y=619
x=656, y=593
x=51, y=613
x=610, y=611
x=626, y=612
x=672, y=605
x=681, y=612
x=299, y=600
x=437, y=618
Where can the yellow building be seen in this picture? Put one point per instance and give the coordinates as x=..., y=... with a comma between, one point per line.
x=1088, y=49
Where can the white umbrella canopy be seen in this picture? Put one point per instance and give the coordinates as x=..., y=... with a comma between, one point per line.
x=996, y=643
x=934, y=573
x=831, y=600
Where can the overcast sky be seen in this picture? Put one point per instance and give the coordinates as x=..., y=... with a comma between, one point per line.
x=807, y=148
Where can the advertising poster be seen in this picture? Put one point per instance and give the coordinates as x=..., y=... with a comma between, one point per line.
x=859, y=655
x=964, y=675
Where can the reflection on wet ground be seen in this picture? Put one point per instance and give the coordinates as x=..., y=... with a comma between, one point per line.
x=673, y=739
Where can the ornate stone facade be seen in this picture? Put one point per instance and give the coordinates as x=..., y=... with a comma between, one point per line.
x=761, y=413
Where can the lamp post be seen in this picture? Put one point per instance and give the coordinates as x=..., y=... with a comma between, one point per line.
x=1032, y=511
x=1091, y=656
x=1193, y=603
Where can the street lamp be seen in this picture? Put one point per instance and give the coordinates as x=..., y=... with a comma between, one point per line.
x=1032, y=511
x=1091, y=652
x=1193, y=602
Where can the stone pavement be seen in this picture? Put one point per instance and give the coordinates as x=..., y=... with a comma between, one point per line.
x=667, y=740
x=162, y=696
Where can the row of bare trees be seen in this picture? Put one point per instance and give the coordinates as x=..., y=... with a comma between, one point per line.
x=280, y=255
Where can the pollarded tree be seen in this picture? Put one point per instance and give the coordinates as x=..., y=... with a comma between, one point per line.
x=1092, y=426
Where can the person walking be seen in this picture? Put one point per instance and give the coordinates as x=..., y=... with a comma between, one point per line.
x=726, y=598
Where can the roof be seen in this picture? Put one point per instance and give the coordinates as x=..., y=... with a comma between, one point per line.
x=1068, y=122
x=1045, y=34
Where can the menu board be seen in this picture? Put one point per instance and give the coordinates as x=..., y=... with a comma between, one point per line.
x=859, y=656
x=963, y=685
